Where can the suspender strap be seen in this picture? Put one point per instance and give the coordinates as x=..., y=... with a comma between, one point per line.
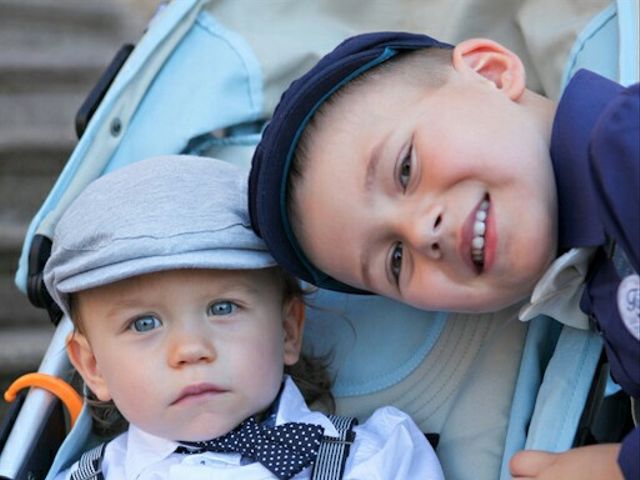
x=90, y=464
x=333, y=452
x=329, y=465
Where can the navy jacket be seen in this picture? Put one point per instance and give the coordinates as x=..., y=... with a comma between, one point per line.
x=595, y=149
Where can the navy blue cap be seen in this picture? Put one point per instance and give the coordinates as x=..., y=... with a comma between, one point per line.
x=275, y=152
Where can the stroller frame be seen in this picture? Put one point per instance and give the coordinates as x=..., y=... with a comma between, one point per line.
x=34, y=429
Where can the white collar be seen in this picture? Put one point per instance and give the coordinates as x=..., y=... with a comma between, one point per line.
x=557, y=294
x=144, y=449
x=292, y=408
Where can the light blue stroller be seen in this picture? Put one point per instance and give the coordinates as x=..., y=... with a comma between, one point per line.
x=203, y=80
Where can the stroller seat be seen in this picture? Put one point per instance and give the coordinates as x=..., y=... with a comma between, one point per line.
x=202, y=80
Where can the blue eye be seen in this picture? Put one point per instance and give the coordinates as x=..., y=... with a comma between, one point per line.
x=404, y=169
x=395, y=262
x=145, y=324
x=224, y=307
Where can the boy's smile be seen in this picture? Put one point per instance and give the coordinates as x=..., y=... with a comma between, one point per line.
x=186, y=354
x=443, y=198
x=477, y=242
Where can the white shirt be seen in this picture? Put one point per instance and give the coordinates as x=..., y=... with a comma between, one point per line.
x=557, y=294
x=388, y=446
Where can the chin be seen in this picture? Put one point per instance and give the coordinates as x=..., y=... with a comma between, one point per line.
x=199, y=435
x=201, y=428
x=487, y=307
x=495, y=304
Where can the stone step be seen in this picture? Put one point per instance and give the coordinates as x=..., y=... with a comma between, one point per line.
x=16, y=311
x=40, y=77
x=52, y=54
x=38, y=117
x=23, y=192
x=12, y=235
x=57, y=57
x=22, y=347
x=61, y=44
x=69, y=19
x=35, y=149
x=36, y=139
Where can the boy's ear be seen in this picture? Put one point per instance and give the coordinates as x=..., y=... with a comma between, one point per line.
x=495, y=63
x=293, y=324
x=82, y=358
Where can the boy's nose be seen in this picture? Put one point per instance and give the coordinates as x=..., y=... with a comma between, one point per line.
x=191, y=348
x=425, y=232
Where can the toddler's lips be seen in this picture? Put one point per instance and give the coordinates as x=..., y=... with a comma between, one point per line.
x=199, y=390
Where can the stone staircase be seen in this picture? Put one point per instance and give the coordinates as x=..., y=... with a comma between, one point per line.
x=51, y=55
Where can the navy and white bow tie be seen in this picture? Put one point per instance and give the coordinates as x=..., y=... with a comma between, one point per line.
x=284, y=450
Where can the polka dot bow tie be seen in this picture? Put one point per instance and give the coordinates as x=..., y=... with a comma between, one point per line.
x=284, y=450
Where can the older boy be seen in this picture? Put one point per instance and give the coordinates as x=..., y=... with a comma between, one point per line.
x=430, y=174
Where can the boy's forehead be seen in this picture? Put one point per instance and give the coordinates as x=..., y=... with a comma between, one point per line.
x=361, y=105
x=274, y=154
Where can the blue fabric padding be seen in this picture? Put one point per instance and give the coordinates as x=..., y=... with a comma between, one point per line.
x=564, y=391
x=612, y=387
x=249, y=140
x=75, y=443
x=629, y=43
x=540, y=342
x=177, y=104
x=193, y=94
x=365, y=333
x=593, y=47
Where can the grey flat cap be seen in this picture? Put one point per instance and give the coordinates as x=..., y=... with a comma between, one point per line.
x=158, y=214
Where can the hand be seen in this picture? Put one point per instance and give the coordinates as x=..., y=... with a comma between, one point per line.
x=595, y=462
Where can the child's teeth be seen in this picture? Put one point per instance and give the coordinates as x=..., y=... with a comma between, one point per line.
x=477, y=243
x=479, y=229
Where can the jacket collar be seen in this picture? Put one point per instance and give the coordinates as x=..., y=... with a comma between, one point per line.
x=558, y=293
x=582, y=103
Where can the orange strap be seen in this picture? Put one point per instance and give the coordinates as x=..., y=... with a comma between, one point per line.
x=61, y=389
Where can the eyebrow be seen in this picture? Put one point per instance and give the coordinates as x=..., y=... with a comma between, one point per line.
x=373, y=162
x=126, y=304
x=238, y=288
x=369, y=177
x=365, y=267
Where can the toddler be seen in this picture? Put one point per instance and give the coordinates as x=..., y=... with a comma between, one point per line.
x=185, y=323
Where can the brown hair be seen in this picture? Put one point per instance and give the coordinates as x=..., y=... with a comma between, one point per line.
x=428, y=67
x=310, y=372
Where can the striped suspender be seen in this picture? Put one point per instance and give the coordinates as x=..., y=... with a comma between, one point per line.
x=90, y=464
x=333, y=453
x=329, y=465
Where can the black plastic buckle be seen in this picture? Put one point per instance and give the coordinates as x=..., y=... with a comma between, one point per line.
x=37, y=293
x=91, y=103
